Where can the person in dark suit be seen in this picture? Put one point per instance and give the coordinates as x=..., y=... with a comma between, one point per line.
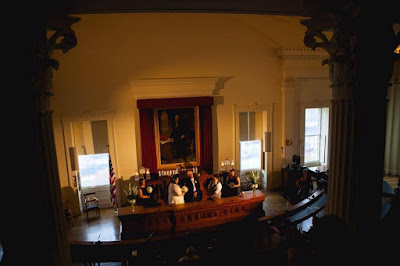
x=194, y=191
x=178, y=134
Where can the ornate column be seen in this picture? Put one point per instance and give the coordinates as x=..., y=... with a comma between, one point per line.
x=359, y=85
x=392, y=144
x=47, y=191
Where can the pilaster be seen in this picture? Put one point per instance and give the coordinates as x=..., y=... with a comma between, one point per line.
x=289, y=123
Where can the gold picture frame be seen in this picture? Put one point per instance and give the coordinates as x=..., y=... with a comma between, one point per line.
x=177, y=137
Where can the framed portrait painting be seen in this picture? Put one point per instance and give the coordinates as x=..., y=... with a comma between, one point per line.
x=177, y=137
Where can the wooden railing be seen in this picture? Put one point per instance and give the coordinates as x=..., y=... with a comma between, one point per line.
x=190, y=216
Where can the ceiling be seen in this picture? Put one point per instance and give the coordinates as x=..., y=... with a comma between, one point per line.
x=305, y=8
x=281, y=7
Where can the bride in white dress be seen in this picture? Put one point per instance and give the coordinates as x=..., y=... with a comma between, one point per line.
x=175, y=193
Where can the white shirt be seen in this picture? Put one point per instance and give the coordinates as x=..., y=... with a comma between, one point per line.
x=218, y=189
x=194, y=185
x=175, y=194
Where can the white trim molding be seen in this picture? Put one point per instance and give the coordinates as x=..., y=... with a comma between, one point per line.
x=154, y=88
x=302, y=54
x=303, y=63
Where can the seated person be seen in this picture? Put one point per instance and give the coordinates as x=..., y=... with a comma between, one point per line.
x=175, y=193
x=194, y=192
x=144, y=195
x=190, y=255
x=214, y=188
x=233, y=184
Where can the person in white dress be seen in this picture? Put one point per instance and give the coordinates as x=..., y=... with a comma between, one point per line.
x=175, y=193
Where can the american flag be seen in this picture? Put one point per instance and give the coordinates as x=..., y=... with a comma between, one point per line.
x=113, y=177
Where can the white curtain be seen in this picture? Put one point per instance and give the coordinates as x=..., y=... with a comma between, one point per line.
x=392, y=146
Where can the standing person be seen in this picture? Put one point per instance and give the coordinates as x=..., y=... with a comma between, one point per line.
x=214, y=188
x=233, y=183
x=194, y=192
x=178, y=134
x=175, y=193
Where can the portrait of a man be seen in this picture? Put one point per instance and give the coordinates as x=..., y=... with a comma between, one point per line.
x=177, y=135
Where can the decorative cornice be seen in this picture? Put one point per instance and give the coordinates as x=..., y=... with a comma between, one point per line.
x=302, y=54
x=151, y=88
x=253, y=106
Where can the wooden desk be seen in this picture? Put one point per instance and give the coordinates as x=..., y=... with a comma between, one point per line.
x=190, y=216
x=289, y=179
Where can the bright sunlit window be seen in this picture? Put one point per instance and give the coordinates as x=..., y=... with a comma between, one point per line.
x=94, y=169
x=250, y=155
x=316, y=136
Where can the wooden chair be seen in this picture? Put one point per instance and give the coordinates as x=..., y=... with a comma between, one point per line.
x=91, y=203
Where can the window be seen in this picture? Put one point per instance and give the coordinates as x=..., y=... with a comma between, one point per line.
x=94, y=170
x=316, y=136
x=250, y=148
x=250, y=155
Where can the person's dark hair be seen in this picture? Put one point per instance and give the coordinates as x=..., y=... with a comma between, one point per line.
x=190, y=251
x=174, y=177
x=230, y=172
x=141, y=181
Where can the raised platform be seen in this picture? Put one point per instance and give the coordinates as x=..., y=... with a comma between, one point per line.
x=190, y=216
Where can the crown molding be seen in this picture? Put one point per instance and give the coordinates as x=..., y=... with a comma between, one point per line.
x=151, y=88
x=302, y=54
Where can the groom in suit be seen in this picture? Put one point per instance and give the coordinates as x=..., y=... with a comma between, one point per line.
x=194, y=192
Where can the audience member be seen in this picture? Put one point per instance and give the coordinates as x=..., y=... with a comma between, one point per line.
x=190, y=255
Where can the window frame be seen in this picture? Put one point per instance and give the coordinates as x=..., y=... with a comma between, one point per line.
x=265, y=113
x=303, y=107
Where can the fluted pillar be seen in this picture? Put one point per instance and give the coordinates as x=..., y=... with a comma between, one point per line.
x=49, y=228
x=359, y=85
x=392, y=145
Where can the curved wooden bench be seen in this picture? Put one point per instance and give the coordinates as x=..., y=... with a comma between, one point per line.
x=293, y=210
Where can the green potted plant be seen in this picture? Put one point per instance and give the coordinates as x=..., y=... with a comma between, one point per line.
x=131, y=192
x=252, y=178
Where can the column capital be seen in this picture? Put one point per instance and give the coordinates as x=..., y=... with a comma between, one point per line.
x=289, y=85
x=341, y=22
x=62, y=39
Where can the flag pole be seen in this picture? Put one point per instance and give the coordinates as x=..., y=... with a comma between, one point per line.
x=112, y=175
